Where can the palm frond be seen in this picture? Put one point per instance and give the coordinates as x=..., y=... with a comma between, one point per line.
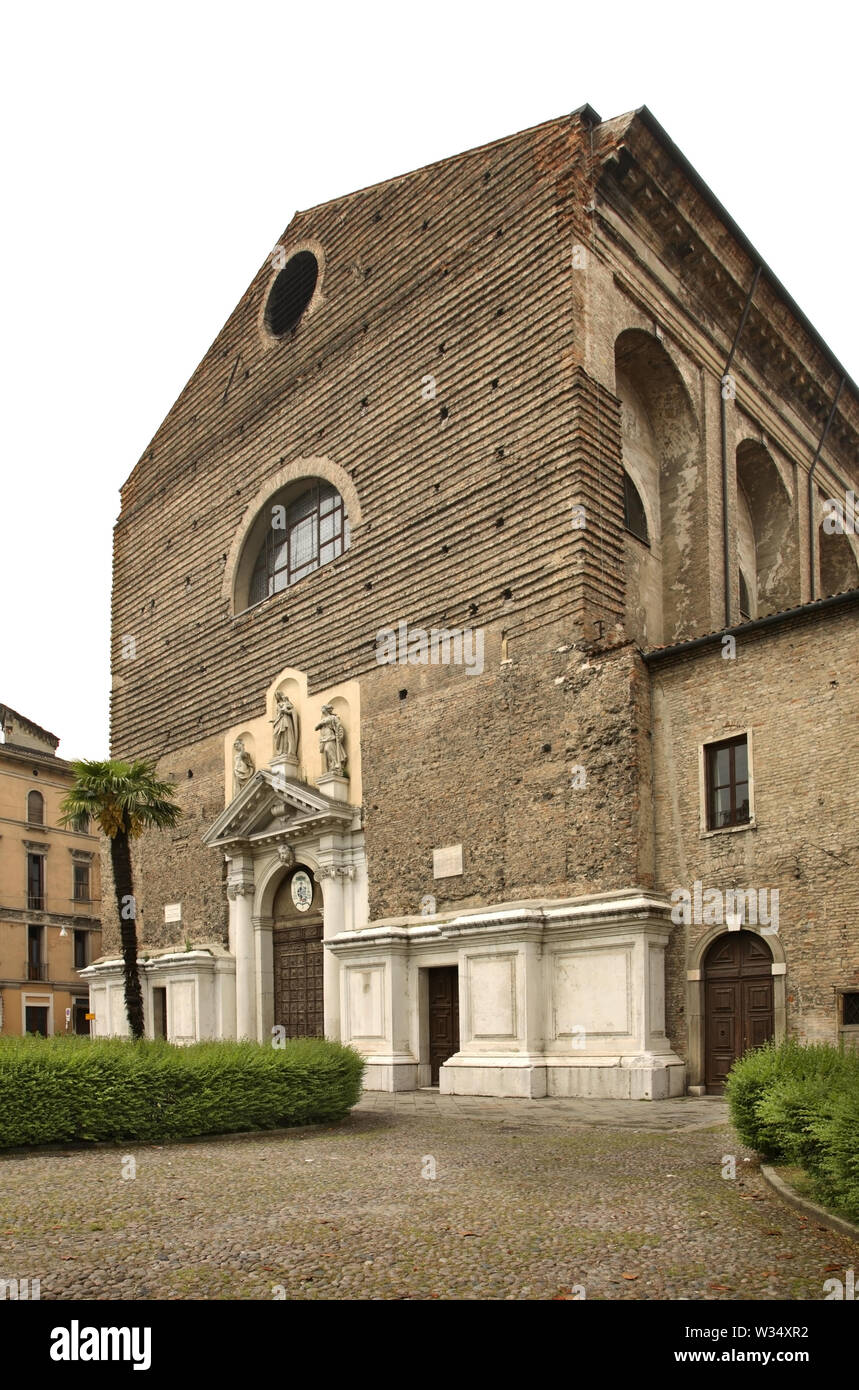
x=120, y=796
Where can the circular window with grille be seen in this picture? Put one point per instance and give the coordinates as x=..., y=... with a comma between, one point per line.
x=291, y=293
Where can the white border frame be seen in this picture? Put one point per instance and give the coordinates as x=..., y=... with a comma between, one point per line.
x=704, y=832
x=36, y=1001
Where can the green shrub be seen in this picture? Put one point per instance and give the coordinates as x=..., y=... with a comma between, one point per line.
x=800, y=1105
x=834, y=1165
x=753, y=1078
x=60, y=1090
x=786, y=1112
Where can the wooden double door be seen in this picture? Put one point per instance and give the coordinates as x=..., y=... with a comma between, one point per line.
x=443, y=1017
x=298, y=955
x=738, y=1002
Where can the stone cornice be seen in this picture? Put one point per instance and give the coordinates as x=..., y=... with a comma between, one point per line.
x=634, y=910
x=84, y=921
x=197, y=958
x=52, y=830
x=648, y=192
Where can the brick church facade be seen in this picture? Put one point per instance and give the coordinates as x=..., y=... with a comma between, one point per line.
x=490, y=594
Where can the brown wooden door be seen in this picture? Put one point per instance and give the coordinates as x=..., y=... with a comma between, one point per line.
x=443, y=1017
x=298, y=978
x=738, y=1002
x=159, y=1012
x=297, y=948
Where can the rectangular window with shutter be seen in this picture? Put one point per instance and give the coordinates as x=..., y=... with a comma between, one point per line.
x=849, y=1020
x=81, y=883
x=35, y=883
x=728, y=783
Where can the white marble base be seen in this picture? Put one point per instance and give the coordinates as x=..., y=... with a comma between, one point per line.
x=493, y=1076
x=283, y=765
x=609, y=1078
x=333, y=785
x=561, y=998
x=619, y=1078
x=201, y=993
x=390, y=1076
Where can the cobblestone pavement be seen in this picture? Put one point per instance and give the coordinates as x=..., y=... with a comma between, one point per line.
x=677, y=1114
x=529, y=1199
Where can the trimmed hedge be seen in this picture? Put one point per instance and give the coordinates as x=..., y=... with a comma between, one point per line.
x=63, y=1090
x=800, y=1105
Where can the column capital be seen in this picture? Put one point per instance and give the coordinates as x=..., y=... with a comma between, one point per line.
x=342, y=871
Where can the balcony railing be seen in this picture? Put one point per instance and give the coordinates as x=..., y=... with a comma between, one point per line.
x=36, y=970
x=36, y=902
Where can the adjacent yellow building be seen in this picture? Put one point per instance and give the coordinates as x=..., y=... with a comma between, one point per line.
x=50, y=893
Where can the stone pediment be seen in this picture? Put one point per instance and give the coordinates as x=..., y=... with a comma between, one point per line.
x=273, y=807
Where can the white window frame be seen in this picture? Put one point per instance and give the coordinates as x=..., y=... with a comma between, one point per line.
x=37, y=1001
x=751, y=824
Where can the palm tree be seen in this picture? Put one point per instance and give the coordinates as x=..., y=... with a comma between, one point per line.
x=125, y=799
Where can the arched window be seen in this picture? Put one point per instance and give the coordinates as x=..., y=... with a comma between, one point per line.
x=838, y=568
x=303, y=533
x=35, y=808
x=660, y=450
x=745, y=601
x=767, y=549
x=634, y=517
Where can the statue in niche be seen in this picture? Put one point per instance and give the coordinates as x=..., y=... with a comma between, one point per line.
x=332, y=741
x=285, y=724
x=243, y=765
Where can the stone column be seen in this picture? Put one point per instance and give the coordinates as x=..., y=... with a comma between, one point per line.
x=240, y=891
x=264, y=958
x=333, y=878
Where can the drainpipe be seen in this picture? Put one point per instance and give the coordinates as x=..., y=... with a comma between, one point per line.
x=812, y=529
x=723, y=421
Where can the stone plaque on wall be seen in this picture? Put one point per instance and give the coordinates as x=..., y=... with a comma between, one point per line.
x=182, y=1000
x=592, y=989
x=492, y=994
x=447, y=862
x=366, y=1002
x=172, y=912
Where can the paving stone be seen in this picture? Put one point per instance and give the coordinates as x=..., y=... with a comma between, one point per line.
x=529, y=1199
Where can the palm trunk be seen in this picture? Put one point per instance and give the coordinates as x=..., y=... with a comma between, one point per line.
x=120, y=858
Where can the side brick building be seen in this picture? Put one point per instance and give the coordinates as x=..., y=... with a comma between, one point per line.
x=490, y=593
x=50, y=896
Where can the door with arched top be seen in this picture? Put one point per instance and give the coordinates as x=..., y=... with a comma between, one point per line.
x=297, y=950
x=738, y=1002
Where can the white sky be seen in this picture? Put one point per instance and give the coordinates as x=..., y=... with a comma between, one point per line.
x=154, y=153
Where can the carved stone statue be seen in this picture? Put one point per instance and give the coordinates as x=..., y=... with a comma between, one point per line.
x=285, y=724
x=332, y=741
x=243, y=765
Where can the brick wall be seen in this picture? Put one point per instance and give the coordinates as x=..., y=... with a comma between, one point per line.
x=795, y=687
x=487, y=762
x=461, y=272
